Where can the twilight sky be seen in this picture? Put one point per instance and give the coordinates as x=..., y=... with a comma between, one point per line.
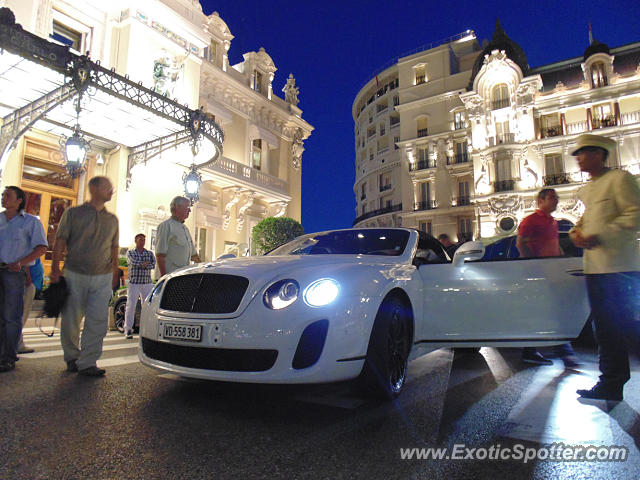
x=332, y=48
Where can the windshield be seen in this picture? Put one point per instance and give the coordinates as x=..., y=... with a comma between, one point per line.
x=347, y=242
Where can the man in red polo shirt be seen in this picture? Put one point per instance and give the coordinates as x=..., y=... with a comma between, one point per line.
x=538, y=237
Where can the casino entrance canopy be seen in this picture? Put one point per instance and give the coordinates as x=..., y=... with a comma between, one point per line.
x=41, y=81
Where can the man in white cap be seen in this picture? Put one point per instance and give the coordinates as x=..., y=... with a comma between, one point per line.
x=608, y=232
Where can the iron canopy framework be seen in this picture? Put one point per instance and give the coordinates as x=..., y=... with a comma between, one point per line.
x=48, y=82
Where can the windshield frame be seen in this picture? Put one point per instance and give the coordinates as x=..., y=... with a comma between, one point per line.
x=302, y=245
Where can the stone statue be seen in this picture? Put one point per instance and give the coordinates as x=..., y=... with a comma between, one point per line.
x=297, y=149
x=166, y=72
x=291, y=91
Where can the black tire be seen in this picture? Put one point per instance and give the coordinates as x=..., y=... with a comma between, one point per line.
x=385, y=368
x=119, y=310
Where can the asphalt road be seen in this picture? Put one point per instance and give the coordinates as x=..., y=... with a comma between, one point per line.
x=140, y=423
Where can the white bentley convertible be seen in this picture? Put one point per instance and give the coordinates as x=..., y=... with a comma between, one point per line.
x=355, y=303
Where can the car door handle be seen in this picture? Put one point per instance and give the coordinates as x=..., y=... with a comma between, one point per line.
x=578, y=272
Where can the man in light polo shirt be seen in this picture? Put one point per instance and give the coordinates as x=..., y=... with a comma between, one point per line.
x=608, y=231
x=174, y=247
x=89, y=234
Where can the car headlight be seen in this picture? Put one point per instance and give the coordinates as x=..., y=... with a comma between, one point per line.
x=281, y=294
x=155, y=290
x=321, y=292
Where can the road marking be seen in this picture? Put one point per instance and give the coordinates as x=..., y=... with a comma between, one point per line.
x=114, y=362
x=58, y=353
x=55, y=342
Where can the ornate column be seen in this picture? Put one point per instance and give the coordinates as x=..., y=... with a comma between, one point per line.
x=589, y=120
x=563, y=123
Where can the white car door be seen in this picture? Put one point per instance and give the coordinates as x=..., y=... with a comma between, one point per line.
x=507, y=300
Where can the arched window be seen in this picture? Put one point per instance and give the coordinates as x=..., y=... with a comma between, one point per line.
x=500, y=96
x=598, y=75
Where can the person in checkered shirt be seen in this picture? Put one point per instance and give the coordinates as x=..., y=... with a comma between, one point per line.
x=141, y=261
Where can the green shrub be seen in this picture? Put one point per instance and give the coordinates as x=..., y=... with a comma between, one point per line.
x=272, y=232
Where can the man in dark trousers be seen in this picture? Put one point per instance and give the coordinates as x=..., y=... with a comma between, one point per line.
x=22, y=241
x=608, y=231
x=538, y=237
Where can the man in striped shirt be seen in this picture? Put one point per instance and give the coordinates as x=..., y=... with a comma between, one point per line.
x=141, y=261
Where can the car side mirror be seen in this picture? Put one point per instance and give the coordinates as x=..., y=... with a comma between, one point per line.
x=467, y=252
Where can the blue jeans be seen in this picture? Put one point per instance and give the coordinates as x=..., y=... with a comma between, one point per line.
x=614, y=309
x=11, y=305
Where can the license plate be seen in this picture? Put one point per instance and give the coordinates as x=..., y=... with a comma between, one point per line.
x=179, y=331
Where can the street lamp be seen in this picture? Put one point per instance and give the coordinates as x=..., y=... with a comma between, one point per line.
x=75, y=153
x=192, y=182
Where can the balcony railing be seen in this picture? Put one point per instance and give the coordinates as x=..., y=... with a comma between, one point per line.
x=394, y=121
x=503, y=185
x=422, y=165
x=380, y=211
x=576, y=127
x=384, y=188
x=423, y=132
x=603, y=122
x=551, y=131
x=498, y=104
x=420, y=79
x=245, y=173
x=556, y=179
x=505, y=138
x=458, y=158
x=381, y=108
x=630, y=118
x=424, y=205
x=461, y=201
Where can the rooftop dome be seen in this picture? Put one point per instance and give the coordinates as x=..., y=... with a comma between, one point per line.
x=596, y=47
x=500, y=41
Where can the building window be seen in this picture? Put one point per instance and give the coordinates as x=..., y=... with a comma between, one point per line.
x=67, y=36
x=462, y=152
x=463, y=194
x=363, y=193
x=500, y=96
x=465, y=234
x=396, y=100
x=256, y=154
x=503, y=182
x=422, y=127
x=502, y=132
x=459, y=120
x=257, y=81
x=598, y=75
x=422, y=154
x=550, y=125
x=382, y=129
x=601, y=116
x=426, y=227
x=211, y=52
x=420, y=73
x=395, y=142
x=554, y=170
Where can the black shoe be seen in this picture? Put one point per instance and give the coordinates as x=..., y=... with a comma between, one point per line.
x=71, y=366
x=602, y=392
x=6, y=366
x=129, y=334
x=536, y=358
x=92, y=372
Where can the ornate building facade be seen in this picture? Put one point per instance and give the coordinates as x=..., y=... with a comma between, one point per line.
x=475, y=133
x=172, y=56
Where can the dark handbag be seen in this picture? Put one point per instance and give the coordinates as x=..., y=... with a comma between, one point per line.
x=55, y=298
